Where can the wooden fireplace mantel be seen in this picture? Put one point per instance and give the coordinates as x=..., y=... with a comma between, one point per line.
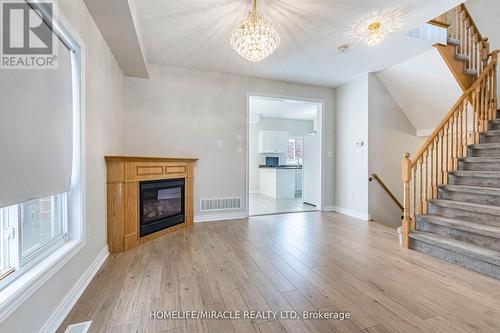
x=124, y=173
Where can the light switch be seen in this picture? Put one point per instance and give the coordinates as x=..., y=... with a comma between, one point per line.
x=238, y=138
x=360, y=143
x=239, y=149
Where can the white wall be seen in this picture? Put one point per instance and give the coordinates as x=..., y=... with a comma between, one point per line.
x=367, y=112
x=424, y=88
x=351, y=162
x=104, y=103
x=485, y=14
x=292, y=126
x=185, y=112
x=390, y=135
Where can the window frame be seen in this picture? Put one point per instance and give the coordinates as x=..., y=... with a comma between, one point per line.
x=24, y=285
x=11, y=218
x=295, y=161
x=40, y=252
x=7, y=268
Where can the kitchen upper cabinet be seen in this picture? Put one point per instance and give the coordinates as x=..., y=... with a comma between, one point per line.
x=273, y=142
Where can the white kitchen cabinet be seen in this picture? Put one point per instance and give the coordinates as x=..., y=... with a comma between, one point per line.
x=273, y=142
x=278, y=183
x=298, y=180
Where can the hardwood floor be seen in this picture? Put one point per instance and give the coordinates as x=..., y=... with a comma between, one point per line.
x=260, y=204
x=303, y=261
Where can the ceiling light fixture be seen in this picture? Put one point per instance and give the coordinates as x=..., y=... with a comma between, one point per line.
x=373, y=29
x=375, y=35
x=255, y=38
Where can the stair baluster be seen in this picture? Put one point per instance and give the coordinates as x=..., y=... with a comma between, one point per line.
x=448, y=142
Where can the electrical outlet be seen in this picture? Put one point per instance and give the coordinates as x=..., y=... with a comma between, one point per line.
x=350, y=196
x=238, y=138
x=239, y=149
x=221, y=143
x=330, y=154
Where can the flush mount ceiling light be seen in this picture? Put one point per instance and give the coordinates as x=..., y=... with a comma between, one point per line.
x=372, y=29
x=255, y=38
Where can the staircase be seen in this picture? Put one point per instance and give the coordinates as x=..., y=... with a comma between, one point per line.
x=465, y=47
x=452, y=184
x=462, y=224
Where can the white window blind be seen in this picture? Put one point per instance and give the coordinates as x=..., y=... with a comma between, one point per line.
x=36, y=131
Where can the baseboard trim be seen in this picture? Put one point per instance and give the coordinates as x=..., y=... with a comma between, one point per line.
x=348, y=212
x=220, y=217
x=58, y=316
x=27, y=284
x=328, y=209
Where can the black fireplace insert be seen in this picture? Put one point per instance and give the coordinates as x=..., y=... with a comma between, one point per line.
x=161, y=205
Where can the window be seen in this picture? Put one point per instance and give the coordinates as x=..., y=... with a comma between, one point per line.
x=31, y=230
x=295, y=151
x=42, y=122
x=41, y=222
x=5, y=267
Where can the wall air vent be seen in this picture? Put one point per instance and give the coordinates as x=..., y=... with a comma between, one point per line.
x=220, y=204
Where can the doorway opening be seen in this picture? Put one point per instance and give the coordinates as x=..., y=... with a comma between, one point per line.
x=284, y=155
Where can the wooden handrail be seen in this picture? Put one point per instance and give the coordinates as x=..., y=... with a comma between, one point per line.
x=472, y=47
x=424, y=173
x=386, y=189
x=450, y=113
x=469, y=16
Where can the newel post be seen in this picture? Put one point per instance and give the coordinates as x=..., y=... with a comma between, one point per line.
x=407, y=223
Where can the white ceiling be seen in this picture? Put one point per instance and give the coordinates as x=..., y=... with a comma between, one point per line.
x=281, y=108
x=196, y=33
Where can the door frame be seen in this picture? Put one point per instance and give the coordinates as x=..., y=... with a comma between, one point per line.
x=320, y=128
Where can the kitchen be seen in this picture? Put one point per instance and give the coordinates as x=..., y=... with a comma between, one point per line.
x=284, y=156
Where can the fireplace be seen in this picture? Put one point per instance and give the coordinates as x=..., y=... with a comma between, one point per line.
x=161, y=205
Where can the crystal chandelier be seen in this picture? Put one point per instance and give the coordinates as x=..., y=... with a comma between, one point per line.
x=256, y=37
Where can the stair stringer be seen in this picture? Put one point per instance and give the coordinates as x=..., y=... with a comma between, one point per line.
x=456, y=66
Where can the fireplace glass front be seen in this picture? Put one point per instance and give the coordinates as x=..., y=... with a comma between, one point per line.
x=161, y=205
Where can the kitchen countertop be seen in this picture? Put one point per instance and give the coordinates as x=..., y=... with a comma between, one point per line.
x=282, y=167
